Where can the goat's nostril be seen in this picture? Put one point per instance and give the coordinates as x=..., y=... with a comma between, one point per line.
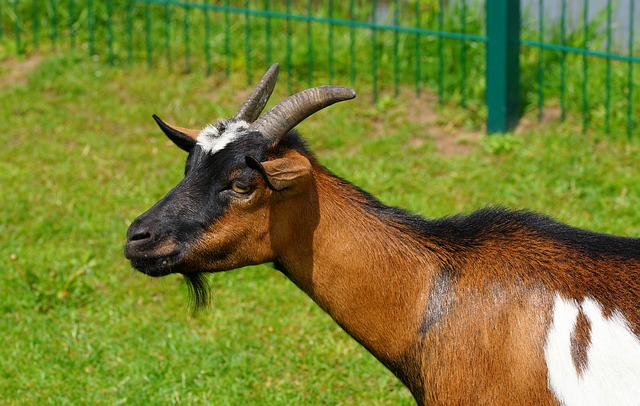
x=142, y=235
x=139, y=235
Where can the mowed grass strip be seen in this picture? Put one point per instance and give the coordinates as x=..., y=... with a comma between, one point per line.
x=81, y=158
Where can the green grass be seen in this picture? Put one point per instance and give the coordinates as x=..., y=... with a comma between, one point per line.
x=81, y=158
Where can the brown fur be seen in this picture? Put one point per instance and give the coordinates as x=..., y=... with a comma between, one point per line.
x=485, y=343
x=232, y=239
x=580, y=340
x=489, y=350
x=535, y=259
x=350, y=271
x=166, y=247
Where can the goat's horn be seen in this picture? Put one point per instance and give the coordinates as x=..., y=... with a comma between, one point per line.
x=252, y=107
x=173, y=129
x=184, y=138
x=290, y=112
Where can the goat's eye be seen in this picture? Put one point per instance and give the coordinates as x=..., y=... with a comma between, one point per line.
x=241, y=188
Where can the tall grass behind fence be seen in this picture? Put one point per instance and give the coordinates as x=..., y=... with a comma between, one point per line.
x=429, y=46
x=384, y=45
x=584, y=63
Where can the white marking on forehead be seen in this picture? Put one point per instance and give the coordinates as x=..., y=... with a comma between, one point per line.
x=612, y=373
x=212, y=140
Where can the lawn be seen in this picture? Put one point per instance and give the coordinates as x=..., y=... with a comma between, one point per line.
x=81, y=158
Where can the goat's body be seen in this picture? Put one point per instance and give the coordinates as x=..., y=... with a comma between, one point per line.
x=498, y=307
x=465, y=309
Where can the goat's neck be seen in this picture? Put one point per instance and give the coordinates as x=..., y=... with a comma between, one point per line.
x=368, y=273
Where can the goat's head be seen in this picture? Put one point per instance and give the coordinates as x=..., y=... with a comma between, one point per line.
x=218, y=217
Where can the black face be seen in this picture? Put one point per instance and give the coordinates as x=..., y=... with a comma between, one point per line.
x=160, y=239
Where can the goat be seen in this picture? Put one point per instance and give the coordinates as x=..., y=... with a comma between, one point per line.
x=494, y=307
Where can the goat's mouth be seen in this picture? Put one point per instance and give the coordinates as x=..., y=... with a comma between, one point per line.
x=156, y=265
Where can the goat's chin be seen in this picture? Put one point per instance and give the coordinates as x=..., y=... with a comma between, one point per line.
x=158, y=266
x=199, y=293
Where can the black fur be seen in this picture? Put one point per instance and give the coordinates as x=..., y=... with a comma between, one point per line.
x=199, y=291
x=182, y=140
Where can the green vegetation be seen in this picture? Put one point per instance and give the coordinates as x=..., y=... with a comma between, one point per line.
x=81, y=158
x=248, y=36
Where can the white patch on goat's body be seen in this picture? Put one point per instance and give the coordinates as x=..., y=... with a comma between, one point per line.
x=212, y=140
x=612, y=373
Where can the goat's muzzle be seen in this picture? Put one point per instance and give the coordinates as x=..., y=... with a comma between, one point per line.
x=150, y=254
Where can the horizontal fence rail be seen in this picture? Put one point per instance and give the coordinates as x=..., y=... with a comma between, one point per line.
x=466, y=52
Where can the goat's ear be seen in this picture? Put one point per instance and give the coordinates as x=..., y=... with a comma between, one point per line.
x=184, y=138
x=283, y=173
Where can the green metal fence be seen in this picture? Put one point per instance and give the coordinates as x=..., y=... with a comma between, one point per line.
x=466, y=52
x=591, y=71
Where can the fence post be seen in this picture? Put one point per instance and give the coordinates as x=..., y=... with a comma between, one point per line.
x=503, y=65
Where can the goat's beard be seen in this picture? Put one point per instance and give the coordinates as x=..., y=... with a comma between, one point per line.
x=199, y=291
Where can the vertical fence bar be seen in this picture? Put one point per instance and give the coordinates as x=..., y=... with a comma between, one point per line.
x=17, y=28
x=227, y=35
x=72, y=31
x=563, y=60
x=147, y=34
x=630, y=71
x=352, y=43
x=463, y=55
x=34, y=23
x=267, y=9
x=187, y=40
x=1, y=24
x=207, y=35
x=503, y=64
x=129, y=18
x=167, y=35
x=289, y=67
x=585, y=65
x=396, y=44
x=417, y=49
x=440, y=53
x=91, y=23
x=540, y=59
x=331, y=28
x=110, y=30
x=309, y=44
x=54, y=23
x=374, y=51
x=607, y=95
x=247, y=41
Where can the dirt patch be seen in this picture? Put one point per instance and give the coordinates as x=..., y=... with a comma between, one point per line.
x=453, y=141
x=448, y=138
x=18, y=70
x=532, y=120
